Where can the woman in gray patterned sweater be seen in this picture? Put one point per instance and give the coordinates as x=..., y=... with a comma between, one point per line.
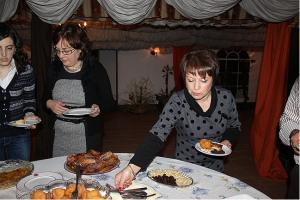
x=200, y=111
x=17, y=95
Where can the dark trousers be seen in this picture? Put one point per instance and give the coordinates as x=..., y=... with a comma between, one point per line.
x=294, y=187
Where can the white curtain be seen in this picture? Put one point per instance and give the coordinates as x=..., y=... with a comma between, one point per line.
x=272, y=10
x=135, y=11
x=7, y=9
x=54, y=11
x=128, y=11
x=203, y=9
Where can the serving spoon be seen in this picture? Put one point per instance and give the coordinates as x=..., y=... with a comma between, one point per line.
x=75, y=193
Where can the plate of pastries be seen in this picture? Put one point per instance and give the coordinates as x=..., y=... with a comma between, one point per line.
x=92, y=162
x=212, y=148
x=63, y=189
x=12, y=171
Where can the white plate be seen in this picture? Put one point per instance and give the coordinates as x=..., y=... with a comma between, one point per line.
x=18, y=125
x=224, y=148
x=32, y=121
x=79, y=111
x=29, y=182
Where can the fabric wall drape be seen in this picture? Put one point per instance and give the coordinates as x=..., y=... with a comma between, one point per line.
x=178, y=53
x=271, y=94
x=40, y=60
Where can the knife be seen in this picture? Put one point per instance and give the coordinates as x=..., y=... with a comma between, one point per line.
x=113, y=189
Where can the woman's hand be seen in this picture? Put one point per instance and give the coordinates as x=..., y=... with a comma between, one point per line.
x=124, y=178
x=32, y=117
x=57, y=107
x=295, y=140
x=97, y=109
x=226, y=143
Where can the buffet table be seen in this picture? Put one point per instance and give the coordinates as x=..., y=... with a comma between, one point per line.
x=207, y=183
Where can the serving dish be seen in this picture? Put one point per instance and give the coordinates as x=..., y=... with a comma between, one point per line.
x=69, y=169
x=206, y=151
x=64, y=184
x=182, y=179
x=10, y=165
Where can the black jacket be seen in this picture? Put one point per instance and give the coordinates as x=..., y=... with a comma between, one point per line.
x=96, y=85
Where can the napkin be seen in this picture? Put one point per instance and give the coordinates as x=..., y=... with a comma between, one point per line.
x=115, y=195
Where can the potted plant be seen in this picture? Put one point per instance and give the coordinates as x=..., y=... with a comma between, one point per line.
x=163, y=96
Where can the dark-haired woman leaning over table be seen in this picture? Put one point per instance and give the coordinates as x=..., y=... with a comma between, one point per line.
x=75, y=80
x=200, y=111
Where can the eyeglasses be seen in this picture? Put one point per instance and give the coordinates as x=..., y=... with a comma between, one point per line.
x=68, y=52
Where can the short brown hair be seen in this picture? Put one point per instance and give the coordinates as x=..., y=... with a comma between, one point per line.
x=201, y=62
x=75, y=36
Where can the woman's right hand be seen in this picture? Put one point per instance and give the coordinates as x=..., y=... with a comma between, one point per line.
x=57, y=107
x=124, y=178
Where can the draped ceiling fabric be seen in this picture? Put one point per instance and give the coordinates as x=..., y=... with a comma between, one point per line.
x=141, y=24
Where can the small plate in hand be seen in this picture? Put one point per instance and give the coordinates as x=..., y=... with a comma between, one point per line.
x=32, y=121
x=18, y=125
x=207, y=151
x=79, y=111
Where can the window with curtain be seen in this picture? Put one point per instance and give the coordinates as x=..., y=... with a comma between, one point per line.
x=234, y=72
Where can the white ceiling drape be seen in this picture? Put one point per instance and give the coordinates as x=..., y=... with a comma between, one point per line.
x=7, y=9
x=54, y=11
x=128, y=12
x=272, y=10
x=203, y=9
x=135, y=11
x=140, y=24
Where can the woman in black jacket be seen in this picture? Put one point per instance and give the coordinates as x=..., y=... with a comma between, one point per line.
x=75, y=80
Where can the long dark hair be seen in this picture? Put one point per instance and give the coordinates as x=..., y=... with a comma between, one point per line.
x=75, y=36
x=19, y=56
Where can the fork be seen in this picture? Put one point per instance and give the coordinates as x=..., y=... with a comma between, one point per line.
x=75, y=193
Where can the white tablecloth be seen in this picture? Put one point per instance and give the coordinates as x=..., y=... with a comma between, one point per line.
x=208, y=184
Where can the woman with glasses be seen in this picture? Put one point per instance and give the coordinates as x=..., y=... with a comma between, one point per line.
x=17, y=96
x=75, y=80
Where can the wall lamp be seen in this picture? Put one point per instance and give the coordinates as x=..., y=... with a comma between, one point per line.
x=154, y=52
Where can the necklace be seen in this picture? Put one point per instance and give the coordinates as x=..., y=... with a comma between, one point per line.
x=75, y=69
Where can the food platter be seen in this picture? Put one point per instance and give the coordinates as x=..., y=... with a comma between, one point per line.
x=10, y=165
x=69, y=169
x=79, y=111
x=207, y=151
x=26, y=184
x=182, y=179
x=64, y=184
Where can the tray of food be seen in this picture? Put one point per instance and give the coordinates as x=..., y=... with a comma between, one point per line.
x=212, y=148
x=170, y=177
x=12, y=171
x=62, y=189
x=92, y=163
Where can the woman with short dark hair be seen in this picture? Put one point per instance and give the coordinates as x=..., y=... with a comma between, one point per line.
x=75, y=80
x=200, y=111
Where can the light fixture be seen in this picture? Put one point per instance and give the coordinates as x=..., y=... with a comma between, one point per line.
x=154, y=51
